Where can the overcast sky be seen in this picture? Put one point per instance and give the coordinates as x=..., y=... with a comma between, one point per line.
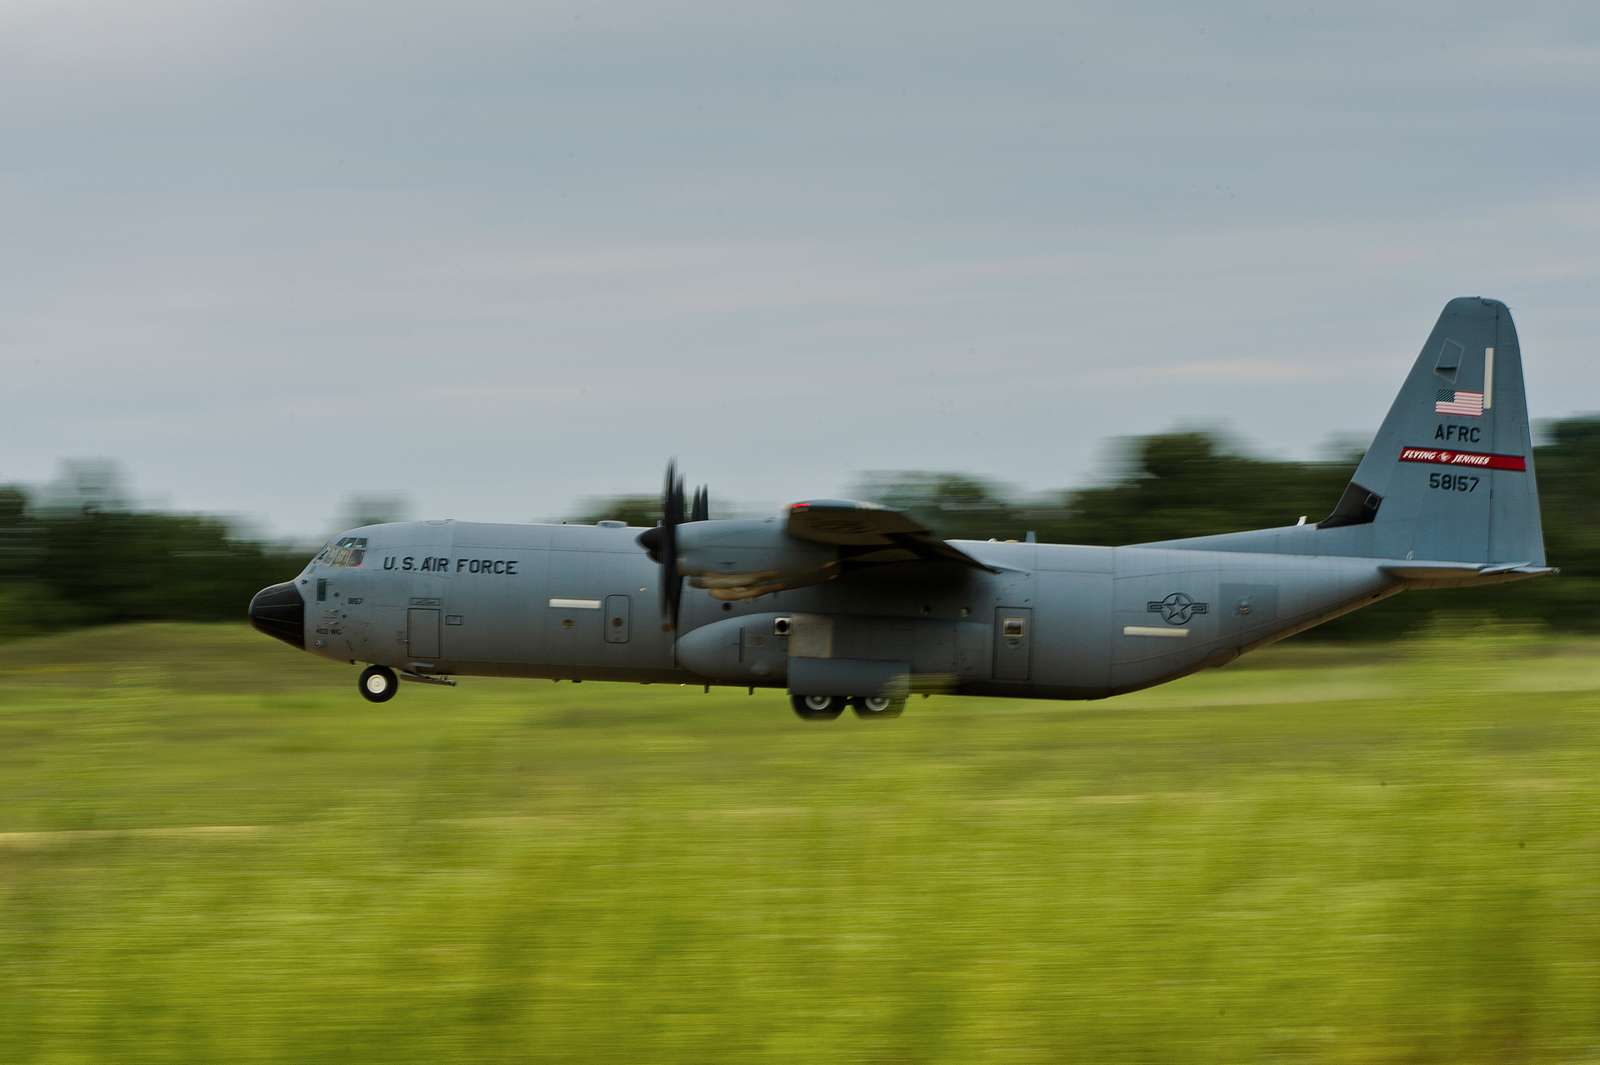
x=498, y=255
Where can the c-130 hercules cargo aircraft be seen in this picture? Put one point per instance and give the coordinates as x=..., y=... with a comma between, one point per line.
x=848, y=603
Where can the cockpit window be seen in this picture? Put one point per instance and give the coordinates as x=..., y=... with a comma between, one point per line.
x=346, y=551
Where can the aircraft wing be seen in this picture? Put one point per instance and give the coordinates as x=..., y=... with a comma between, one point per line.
x=809, y=543
x=867, y=533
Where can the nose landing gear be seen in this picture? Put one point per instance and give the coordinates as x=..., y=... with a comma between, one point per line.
x=377, y=684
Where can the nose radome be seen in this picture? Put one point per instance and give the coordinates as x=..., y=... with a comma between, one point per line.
x=279, y=612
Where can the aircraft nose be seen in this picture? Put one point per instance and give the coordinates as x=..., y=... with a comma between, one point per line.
x=279, y=612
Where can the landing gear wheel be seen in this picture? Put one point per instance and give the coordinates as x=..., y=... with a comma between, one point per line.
x=872, y=707
x=817, y=707
x=377, y=684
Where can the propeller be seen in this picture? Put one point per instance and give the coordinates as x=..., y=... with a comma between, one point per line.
x=661, y=543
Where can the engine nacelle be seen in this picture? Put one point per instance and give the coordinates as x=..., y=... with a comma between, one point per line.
x=745, y=558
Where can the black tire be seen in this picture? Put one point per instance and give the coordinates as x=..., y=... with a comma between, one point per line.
x=377, y=684
x=873, y=707
x=817, y=707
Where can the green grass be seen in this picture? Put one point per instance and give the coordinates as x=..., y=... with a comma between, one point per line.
x=211, y=849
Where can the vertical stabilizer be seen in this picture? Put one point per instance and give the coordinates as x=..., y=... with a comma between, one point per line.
x=1450, y=474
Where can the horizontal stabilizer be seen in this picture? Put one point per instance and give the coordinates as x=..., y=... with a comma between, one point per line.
x=1419, y=574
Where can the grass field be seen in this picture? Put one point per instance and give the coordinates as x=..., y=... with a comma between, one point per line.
x=211, y=849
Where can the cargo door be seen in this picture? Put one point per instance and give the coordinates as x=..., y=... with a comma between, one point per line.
x=1013, y=639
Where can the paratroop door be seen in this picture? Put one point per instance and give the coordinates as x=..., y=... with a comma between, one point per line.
x=617, y=619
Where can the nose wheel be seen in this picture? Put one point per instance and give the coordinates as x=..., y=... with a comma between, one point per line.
x=377, y=684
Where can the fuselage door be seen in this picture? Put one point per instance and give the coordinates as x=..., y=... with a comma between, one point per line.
x=617, y=611
x=1013, y=638
x=422, y=633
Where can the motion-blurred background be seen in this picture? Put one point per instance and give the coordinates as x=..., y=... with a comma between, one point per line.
x=1102, y=273
x=81, y=550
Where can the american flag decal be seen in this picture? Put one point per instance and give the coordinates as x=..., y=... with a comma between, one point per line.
x=1467, y=404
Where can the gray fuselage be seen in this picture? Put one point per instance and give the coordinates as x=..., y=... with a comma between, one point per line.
x=580, y=602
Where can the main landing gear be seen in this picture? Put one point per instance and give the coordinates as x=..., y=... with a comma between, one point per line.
x=828, y=707
x=377, y=684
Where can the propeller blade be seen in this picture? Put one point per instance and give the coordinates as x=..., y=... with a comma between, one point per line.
x=661, y=543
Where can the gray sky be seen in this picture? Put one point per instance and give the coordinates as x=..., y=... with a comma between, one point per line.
x=499, y=255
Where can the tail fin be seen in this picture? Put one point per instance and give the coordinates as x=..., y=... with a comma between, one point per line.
x=1449, y=476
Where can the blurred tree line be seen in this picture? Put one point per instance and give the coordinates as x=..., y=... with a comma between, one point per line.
x=78, y=553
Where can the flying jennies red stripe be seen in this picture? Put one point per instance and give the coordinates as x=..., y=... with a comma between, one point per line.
x=1477, y=460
